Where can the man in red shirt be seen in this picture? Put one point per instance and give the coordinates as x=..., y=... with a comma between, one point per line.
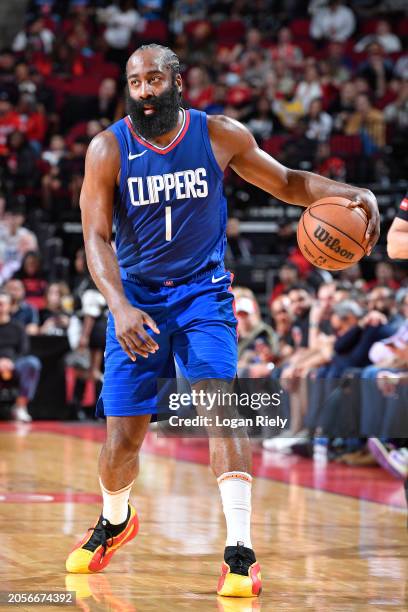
x=9, y=121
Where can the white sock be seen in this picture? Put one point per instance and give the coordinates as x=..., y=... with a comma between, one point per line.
x=115, y=504
x=235, y=489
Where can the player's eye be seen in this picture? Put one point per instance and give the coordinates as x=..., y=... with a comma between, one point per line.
x=134, y=82
x=155, y=79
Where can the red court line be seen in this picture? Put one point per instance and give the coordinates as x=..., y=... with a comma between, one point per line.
x=369, y=484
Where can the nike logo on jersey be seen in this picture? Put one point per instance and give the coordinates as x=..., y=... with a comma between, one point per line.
x=165, y=187
x=216, y=280
x=136, y=155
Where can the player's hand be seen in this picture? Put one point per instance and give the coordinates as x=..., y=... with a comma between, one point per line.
x=131, y=334
x=367, y=200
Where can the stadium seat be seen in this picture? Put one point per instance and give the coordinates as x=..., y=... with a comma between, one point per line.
x=300, y=29
x=402, y=28
x=274, y=144
x=155, y=31
x=231, y=31
x=369, y=26
x=346, y=145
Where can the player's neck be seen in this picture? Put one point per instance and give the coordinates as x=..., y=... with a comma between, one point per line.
x=166, y=139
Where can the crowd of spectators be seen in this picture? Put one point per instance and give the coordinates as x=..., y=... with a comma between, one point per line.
x=322, y=86
x=341, y=354
x=328, y=76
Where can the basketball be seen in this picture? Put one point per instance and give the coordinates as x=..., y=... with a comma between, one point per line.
x=332, y=236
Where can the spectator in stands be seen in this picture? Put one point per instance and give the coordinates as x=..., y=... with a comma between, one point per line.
x=185, y=11
x=333, y=22
x=396, y=113
x=32, y=120
x=318, y=123
x=33, y=279
x=13, y=357
x=376, y=70
x=56, y=150
x=383, y=36
x=339, y=67
x=382, y=299
x=9, y=121
x=257, y=343
x=282, y=324
x=121, y=20
x=94, y=321
x=200, y=91
x=16, y=242
x=80, y=278
x=343, y=106
x=369, y=123
x=21, y=173
x=54, y=320
x=107, y=100
x=288, y=275
x=310, y=88
x=238, y=248
x=20, y=310
x=286, y=50
x=36, y=37
x=329, y=165
x=401, y=67
x=261, y=124
x=301, y=300
x=384, y=276
x=289, y=109
x=355, y=336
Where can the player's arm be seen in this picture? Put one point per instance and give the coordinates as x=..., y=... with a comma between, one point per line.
x=102, y=167
x=291, y=186
x=397, y=239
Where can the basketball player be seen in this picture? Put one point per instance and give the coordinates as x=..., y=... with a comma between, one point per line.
x=167, y=290
x=397, y=238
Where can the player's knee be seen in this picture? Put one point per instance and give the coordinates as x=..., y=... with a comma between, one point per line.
x=122, y=447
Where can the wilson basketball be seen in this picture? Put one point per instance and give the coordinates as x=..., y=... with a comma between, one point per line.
x=332, y=236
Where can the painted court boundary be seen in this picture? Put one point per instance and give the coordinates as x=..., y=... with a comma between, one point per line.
x=367, y=484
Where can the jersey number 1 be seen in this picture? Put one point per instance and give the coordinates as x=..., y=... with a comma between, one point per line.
x=168, y=223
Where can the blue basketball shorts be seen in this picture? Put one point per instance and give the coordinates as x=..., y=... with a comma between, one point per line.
x=197, y=329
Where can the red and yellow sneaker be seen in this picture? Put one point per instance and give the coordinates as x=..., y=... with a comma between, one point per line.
x=96, y=549
x=240, y=573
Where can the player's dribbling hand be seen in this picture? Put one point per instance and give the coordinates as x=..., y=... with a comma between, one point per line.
x=131, y=334
x=367, y=200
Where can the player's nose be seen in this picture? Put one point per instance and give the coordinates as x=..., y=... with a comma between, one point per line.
x=144, y=91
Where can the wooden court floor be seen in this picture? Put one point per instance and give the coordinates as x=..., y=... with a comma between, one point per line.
x=318, y=550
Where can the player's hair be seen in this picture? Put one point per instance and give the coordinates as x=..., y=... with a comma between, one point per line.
x=171, y=60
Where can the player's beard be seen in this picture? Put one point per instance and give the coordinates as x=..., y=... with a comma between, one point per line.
x=165, y=117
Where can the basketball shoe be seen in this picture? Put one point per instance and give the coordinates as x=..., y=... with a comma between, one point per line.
x=240, y=573
x=97, y=547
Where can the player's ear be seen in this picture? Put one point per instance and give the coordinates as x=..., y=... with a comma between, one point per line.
x=179, y=83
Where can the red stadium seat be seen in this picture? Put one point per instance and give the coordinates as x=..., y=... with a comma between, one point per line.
x=307, y=46
x=300, y=29
x=231, y=31
x=155, y=31
x=274, y=144
x=346, y=145
x=369, y=26
x=402, y=28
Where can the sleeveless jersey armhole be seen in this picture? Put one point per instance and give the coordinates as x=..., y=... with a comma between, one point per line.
x=124, y=159
x=207, y=143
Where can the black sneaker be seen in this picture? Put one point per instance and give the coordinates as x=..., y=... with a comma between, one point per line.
x=240, y=573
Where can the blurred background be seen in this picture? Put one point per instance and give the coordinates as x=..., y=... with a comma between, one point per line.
x=322, y=85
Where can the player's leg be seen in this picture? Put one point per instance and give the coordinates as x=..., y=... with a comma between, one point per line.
x=231, y=462
x=118, y=468
x=128, y=399
x=205, y=346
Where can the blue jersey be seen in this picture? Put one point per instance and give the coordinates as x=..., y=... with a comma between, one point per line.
x=171, y=212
